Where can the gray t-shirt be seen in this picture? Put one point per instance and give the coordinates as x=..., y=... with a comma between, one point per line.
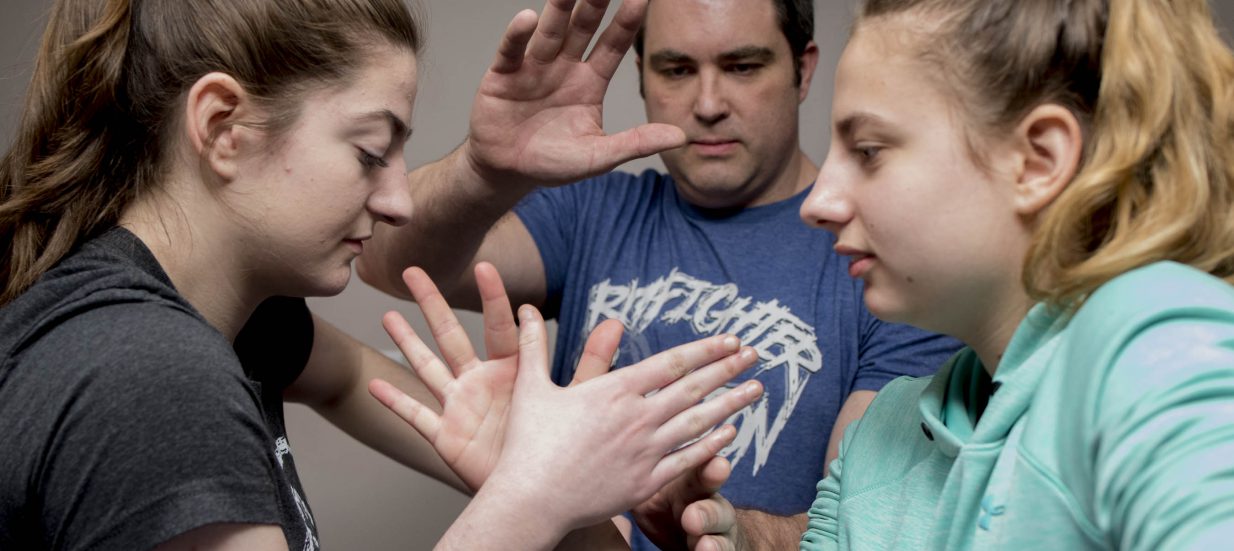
x=126, y=419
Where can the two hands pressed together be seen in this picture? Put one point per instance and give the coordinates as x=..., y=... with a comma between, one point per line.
x=552, y=460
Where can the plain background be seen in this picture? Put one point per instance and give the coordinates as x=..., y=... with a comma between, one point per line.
x=362, y=500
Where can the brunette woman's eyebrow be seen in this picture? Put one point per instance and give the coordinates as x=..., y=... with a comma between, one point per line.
x=398, y=128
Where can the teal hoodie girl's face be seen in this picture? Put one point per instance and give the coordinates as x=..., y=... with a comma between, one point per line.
x=936, y=237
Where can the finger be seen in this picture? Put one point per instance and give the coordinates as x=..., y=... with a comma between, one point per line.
x=617, y=38
x=677, y=463
x=672, y=364
x=435, y=374
x=714, y=474
x=587, y=17
x=551, y=32
x=500, y=331
x=714, y=543
x=598, y=353
x=452, y=339
x=532, y=346
x=711, y=516
x=421, y=418
x=641, y=141
x=696, y=386
x=697, y=420
x=514, y=42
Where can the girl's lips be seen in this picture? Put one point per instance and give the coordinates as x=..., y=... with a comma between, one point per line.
x=860, y=265
x=356, y=245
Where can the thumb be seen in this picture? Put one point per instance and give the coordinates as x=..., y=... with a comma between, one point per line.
x=638, y=142
x=532, y=347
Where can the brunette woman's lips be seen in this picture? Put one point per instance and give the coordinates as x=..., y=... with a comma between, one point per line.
x=356, y=245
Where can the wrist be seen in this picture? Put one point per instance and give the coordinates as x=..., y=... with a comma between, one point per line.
x=487, y=184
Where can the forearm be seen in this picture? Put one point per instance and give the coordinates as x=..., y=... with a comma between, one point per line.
x=368, y=421
x=335, y=383
x=454, y=209
x=502, y=517
x=765, y=531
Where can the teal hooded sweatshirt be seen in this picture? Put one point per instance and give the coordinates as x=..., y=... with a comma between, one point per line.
x=1112, y=428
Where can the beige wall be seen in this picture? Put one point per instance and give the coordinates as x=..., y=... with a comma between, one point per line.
x=362, y=500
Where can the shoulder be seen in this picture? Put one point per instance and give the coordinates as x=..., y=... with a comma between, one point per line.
x=132, y=347
x=1151, y=333
x=1153, y=294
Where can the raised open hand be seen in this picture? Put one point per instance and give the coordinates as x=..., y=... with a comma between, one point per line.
x=474, y=394
x=538, y=115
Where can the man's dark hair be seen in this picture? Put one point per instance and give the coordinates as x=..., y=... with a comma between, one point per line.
x=796, y=19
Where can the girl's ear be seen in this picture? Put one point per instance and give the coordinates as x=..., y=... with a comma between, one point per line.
x=1051, y=144
x=214, y=110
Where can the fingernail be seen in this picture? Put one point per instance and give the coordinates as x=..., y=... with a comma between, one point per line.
x=752, y=388
x=731, y=342
x=524, y=313
x=746, y=354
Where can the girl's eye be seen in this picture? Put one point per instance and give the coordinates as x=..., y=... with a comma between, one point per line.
x=867, y=154
x=368, y=160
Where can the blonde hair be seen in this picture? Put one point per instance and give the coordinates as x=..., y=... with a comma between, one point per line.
x=1152, y=83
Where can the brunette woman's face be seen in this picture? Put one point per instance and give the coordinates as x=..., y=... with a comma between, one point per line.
x=929, y=232
x=313, y=198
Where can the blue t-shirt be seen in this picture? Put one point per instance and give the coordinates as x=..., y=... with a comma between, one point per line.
x=630, y=248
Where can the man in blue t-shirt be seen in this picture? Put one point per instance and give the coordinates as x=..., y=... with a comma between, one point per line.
x=714, y=246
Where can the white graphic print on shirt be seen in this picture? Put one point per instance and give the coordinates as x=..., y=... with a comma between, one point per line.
x=783, y=342
x=281, y=448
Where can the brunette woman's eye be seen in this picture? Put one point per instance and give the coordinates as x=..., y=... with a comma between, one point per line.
x=370, y=161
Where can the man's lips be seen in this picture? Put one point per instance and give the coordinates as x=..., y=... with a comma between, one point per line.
x=711, y=147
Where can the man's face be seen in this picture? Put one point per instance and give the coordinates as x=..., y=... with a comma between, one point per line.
x=722, y=70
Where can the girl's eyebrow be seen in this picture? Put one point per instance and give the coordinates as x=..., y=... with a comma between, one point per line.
x=851, y=123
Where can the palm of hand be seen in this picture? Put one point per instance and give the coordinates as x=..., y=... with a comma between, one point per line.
x=543, y=124
x=475, y=408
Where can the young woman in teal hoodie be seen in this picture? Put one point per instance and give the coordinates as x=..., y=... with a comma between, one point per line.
x=1052, y=182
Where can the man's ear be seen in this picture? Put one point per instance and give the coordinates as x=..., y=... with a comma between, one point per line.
x=638, y=64
x=1051, y=145
x=215, y=106
x=809, y=62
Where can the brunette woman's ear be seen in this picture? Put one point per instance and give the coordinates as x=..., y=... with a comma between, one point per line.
x=215, y=109
x=1051, y=144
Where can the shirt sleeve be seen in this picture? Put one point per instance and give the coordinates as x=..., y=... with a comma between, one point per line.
x=823, y=528
x=157, y=434
x=891, y=350
x=1164, y=438
x=550, y=216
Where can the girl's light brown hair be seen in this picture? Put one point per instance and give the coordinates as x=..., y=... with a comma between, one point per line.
x=1151, y=82
x=104, y=100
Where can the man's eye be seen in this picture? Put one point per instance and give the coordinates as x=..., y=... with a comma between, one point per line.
x=676, y=72
x=744, y=68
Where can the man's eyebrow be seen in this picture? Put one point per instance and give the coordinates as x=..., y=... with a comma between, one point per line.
x=663, y=57
x=851, y=123
x=749, y=53
x=398, y=128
